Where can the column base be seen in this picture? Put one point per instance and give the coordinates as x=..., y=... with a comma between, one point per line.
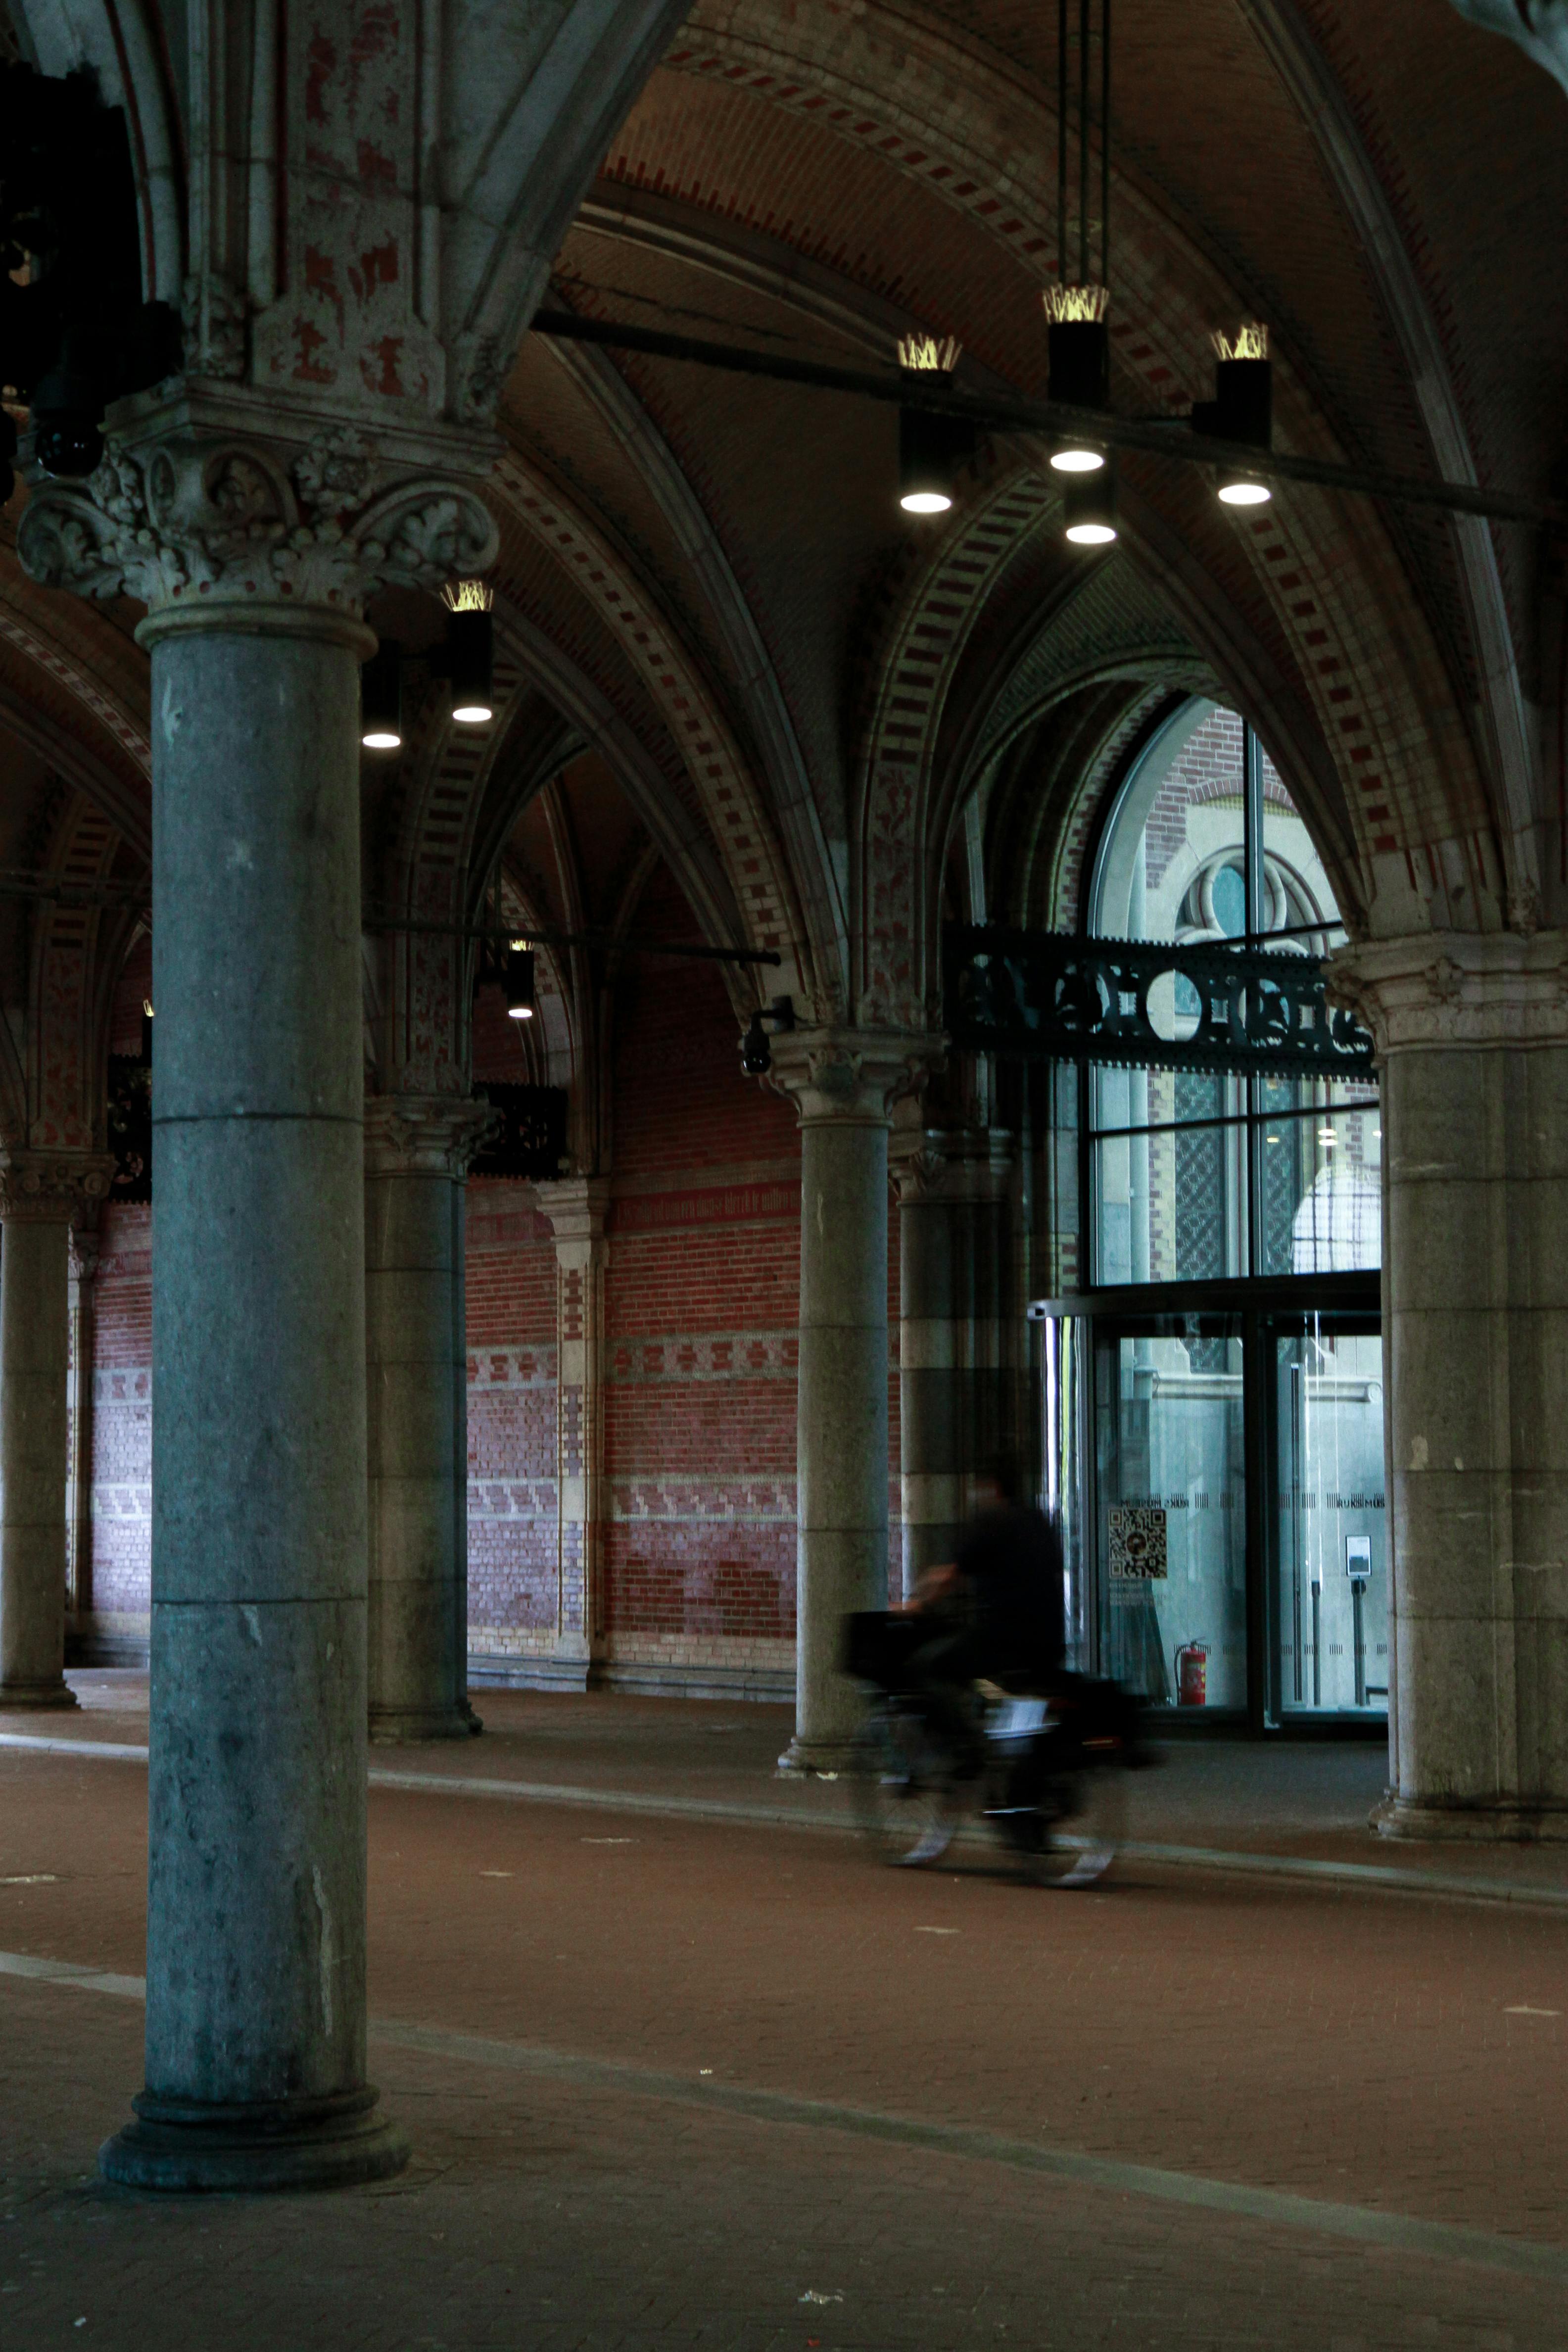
x=186, y=2147
x=1497, y=1822
x=37, y=1695
x=823, y=1759
x=395, y=1727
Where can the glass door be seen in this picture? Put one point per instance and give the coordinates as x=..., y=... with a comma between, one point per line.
x=1328, y=1566
x=1170, y=1490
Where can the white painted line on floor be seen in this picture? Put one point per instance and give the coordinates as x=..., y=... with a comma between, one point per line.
x=1371, y=1877
x=1399, y=2232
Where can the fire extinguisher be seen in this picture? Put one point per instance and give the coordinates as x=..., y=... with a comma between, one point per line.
x=1192, y=1675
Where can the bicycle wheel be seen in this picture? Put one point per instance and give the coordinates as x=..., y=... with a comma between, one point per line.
x=1078, y=1847
x=904, y=1799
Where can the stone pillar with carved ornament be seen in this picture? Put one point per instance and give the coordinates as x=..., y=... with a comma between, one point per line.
x=41, y=1192
x=253, y=533
x=844, y=1083
x=577, y=1207
x=417, y=1153
x=1472, y=1040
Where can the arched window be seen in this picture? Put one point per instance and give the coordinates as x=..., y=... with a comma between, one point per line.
x=1196, y=1176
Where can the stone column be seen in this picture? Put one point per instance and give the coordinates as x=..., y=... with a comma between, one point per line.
x=83, y=1271
x=253, y=532
x=417, y=1150
x=576, y=1207
x=844, y=1086
x=930, y=1405
x=1472, y=1037
x=40, y=1193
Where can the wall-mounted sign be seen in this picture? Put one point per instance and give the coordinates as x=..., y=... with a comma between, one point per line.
x=1137, y=1541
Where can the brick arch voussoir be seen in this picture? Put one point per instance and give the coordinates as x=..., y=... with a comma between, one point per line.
x=927, y=635
x=741, y=828
x=938, y=114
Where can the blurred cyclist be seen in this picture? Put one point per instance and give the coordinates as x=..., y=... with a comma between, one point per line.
x=995, y=1613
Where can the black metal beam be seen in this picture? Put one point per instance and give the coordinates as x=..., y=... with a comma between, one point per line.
x=1058, y=421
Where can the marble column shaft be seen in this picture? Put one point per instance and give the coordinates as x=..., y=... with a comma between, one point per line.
x=1473, y=1033
x=417, y=1150
x=844, y=1086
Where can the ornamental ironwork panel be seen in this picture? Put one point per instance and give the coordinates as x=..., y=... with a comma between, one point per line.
x=530, y=1141
x=1137, y=1004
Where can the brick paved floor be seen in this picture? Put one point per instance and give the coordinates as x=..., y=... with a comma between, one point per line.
x=1374, y=2052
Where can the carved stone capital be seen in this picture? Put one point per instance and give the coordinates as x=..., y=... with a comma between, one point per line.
x=853, y=1076
x=577, y=1207
x=215, y=508
x=424, y=1135
x=962, y=1164
x=52, y=1188
x=1438, y=992
x=84, y=1249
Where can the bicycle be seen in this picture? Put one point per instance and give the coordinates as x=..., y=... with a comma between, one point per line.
x=1052, y=1779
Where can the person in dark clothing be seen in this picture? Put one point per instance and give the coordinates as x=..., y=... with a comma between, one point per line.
x=995, y=1613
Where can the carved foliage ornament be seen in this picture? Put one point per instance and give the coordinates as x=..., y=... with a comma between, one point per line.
x=208, y=518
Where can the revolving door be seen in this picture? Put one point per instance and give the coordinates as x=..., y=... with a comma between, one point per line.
x=1219, y=1475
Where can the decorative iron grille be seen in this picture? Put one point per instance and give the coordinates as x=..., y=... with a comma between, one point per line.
x=530, y=1143
x=1050, y=995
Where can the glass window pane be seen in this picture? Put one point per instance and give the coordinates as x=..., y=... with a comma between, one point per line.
x=1170, y=1205
x=1295, y=884
x=1331, y=1542
x=1320, y=1191
x=1172, y=1515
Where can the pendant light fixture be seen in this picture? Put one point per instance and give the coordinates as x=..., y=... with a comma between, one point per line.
x=1242, y=408
x=470, y=651
x=518, y=980
x=380, y=698
x=1078, y=337
x=931, y=449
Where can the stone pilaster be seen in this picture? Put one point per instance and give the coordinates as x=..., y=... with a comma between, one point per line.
x=81, y=1302
x=40, y=1195
x=253, y=526
x=1472, y=1039
x=417, y=1154
x=844, y=1083
x=952, y=1353
x=577, y=1207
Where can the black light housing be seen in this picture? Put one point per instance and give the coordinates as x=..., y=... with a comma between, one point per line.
x=471, y=652
x=381, y=697
x=518, y=980
x=1089, y=508
x=1079, y=346
x=1242, y=408
x=931, y=449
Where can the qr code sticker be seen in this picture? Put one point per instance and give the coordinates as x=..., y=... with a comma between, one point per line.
x=1137, y=1540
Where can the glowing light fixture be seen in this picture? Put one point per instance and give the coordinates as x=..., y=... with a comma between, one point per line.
x=1242, y=408
x=1089, y=506
x=380, y=698
x=1079, y=347
x=931, y=449
x=517, y=979
x=471, y=651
